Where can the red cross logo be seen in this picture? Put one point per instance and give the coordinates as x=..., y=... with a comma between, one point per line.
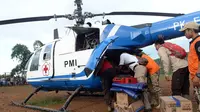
x=45, y=69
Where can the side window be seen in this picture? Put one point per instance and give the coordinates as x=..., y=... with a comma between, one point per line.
x=47, y=53
x=35, y=61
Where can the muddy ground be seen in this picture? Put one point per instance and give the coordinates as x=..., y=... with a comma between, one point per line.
x=79, y=104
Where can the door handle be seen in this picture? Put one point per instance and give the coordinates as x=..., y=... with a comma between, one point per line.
x=80, y=66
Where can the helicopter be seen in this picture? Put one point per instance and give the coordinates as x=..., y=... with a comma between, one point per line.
x=72, y=63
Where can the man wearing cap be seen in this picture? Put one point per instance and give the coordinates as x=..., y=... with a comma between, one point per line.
x=152, y=70
x=191, y=30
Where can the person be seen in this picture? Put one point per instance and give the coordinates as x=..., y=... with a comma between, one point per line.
x=191, y=30
x=12, y=81
x=153, y=74
x=107, y=73
x=180, y=77
x=140, y=71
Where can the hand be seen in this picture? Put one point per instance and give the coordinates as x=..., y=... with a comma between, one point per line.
x=167, y=78
x=196, y=81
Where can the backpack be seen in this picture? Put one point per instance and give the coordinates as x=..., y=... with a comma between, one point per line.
x=176, y=50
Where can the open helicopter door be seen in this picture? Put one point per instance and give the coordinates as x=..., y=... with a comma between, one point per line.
x=97, y=54
x=41, y=66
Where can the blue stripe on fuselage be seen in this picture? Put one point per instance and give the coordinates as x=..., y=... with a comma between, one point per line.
x=93, y=83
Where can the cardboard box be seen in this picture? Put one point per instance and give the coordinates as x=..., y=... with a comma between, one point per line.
x=124, y=99
x=136, y=106
x=170, y=104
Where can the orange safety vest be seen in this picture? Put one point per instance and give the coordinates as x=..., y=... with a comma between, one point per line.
x=152, y=66
x=193, y=60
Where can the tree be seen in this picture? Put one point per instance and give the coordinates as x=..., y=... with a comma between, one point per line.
x=22, y=54
x=37, y=44
x=15, y=70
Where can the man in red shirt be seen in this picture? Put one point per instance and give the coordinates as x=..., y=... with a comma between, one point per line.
x=107, y=73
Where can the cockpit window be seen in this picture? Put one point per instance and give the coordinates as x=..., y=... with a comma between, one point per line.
x=47, y=53
x=27, y=64
x=35, y=61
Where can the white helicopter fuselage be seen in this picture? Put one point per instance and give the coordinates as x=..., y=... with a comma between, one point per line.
x=61, y=63
x=67, y=63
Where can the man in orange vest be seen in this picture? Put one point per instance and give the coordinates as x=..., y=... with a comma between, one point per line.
x=140, y=71
x=153, y=72
x=191, y=30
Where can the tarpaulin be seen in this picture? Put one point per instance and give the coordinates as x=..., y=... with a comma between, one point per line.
x=134, y=87
x=133, y=94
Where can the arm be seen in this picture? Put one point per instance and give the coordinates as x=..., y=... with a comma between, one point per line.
x=164, y=59
x=121, y=62
x=197, y=48
x=195, y=79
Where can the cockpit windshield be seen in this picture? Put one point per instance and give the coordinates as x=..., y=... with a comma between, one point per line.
x=27, y=63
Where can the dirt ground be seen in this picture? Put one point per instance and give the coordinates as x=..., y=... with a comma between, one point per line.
x=79, y=104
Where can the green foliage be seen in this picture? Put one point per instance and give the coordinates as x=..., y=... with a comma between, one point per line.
x=15, y=70
x=22, y=54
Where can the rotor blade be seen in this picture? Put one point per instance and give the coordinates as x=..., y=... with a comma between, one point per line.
x=142, y=25
x=141, y=13
x=29, y=19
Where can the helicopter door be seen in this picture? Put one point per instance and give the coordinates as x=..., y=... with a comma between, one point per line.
x=42, y=63
x=34, y=70
x=97, y=55
x=47, y=60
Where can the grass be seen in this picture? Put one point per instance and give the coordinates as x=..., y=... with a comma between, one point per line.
x=47, y=101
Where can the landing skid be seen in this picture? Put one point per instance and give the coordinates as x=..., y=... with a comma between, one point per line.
x=36, y=107
x=62, y=109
